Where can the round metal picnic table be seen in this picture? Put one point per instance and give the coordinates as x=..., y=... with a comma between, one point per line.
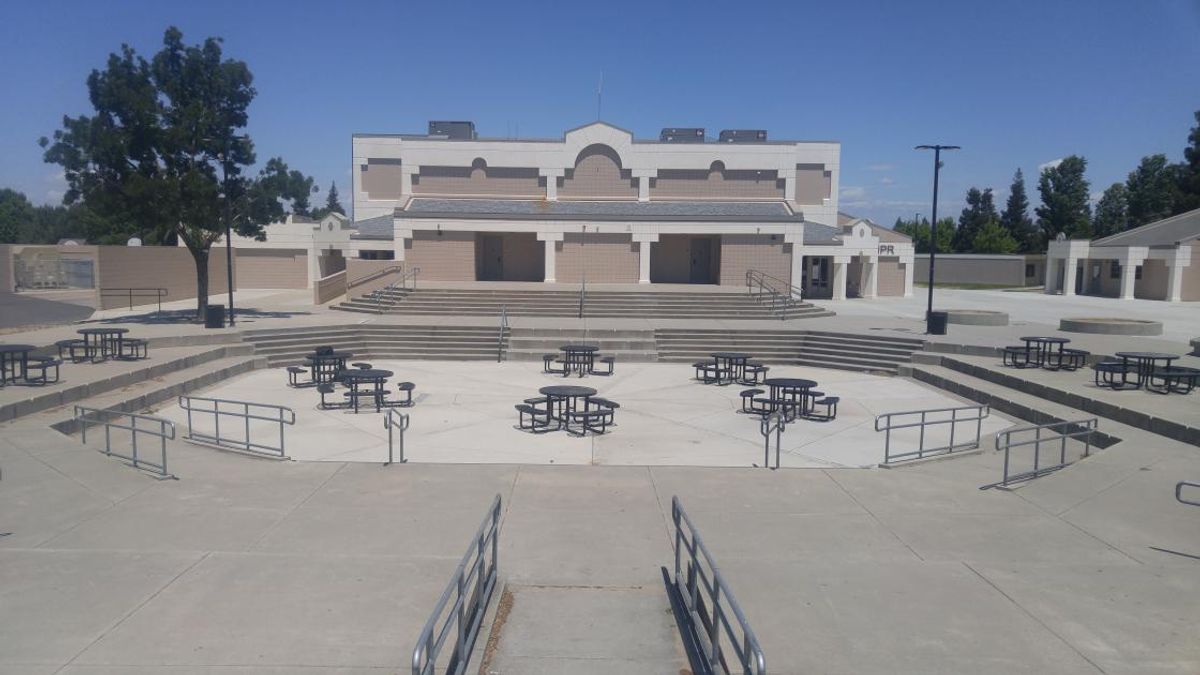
x=102, y=343
x=325, y=366
x=563, y=400
x=734, y=369
x=1042, y=347
x=1145, y=363
x=579, y=358
x=788, y=392
x=12, y=356
x=376, y=377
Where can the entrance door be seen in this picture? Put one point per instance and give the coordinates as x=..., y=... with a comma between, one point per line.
x=818, y=277
x=492, y=264
x=701, y=269
x=1078, y=279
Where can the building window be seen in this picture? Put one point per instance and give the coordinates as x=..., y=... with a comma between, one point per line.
x=376, y=255
x=1114, y=272
x=1029, y=271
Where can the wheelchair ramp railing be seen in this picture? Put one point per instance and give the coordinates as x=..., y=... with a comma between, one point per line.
x=454, y=624
x=932, y=428
x=1042, y=462
x=135, y=424
x=396, y=424
x=238, y=432
x=773, y=424
x=716, y=635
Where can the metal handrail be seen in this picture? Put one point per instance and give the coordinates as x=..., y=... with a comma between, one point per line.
x=369, y=276
x=981, y=412
x=708, y=602
x=1062, y=431
x=157, y=293
x=249, y=410
x=1179, y=492
x=774, y=422
x=395, y=419
x=781, y=294
x=378, y=296
x=500, y=338
x=471, y=589
x=582, y=296
x=82, y=413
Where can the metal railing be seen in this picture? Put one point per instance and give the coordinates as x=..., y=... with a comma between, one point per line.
x=164, y=430
x=246, y=411
x=923, y=419
x=395, y=419
x=1179, y=492
x=778, y=294
x=500, y=337
x=775, y=423
x=1055, y=432
x=371, y=276
x=459, y=612
x=386, y=297
x=131, y=293
x=582, y=297
x=705, y=601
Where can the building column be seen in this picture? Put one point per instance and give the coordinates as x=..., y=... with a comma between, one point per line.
x=871, y=287
x=1051, y=285
x=644, y=240
x=550, y=261
x=314, y=265
x=1070, y=270
x=839, y=265
x=643, y=177
x=1128, y=276
x=551, y=176
x=399, y=239
x=908, y=277
x=1174, y=281
x=797, y=270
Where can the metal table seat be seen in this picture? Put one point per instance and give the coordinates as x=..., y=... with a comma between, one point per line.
x=578, y=358
x=14, y=362
x=101, y=344
x=367, y=383
x=1143, y=365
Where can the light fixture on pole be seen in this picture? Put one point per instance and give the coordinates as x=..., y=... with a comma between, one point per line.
x=937, y=165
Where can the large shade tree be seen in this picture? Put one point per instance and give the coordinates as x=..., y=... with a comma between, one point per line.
x=1064, y=191
x=979, y=212
x=1151, y=190
x=165, y=154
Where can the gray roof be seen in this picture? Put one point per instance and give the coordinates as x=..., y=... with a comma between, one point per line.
x=598, y=210
x=816, y=234
x=1171, y=231
x=379, y=227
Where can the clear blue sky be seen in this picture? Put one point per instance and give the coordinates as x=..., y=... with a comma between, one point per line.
x=1017, y=84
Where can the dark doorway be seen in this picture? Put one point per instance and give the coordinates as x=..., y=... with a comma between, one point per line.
x=491, y=263
x=701, y=269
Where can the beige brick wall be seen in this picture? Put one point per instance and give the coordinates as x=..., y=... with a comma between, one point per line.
x=607, y=258
x=449, y=256
x=358, y=271
x=453, y=180
x=166, y=267
x=742, y=252
x=271, y=268
x=1153, y=284
x=7, y=281
x=1190, y=288
x=598, y=173
x=702, y=184
x=891, y=278
x=524, y=257
x=380, y=178
x=812, y=183
x=330, y=288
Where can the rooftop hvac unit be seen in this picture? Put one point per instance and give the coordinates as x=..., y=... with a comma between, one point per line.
x=743, y=135
x=684, y=135
x=459, y=131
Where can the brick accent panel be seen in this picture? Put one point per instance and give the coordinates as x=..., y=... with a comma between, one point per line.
x=813, y=183
x=271, y=268
x=741, y=252
x=448, y=257
x=1190, y=285
x=479, y=180
x=706, y=184
x=891, y=278
x=380, y=178
x=598, y=173
x=608, y=258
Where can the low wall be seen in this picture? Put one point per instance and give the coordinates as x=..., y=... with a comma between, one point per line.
x=169, y=267
x=7, y=282
x=271, y=267
x=330, y=288
x=992, y=270
x=364, y=276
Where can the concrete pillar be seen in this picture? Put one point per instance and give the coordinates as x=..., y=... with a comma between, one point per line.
x=1128, y=272
x=1174, y=281
x=797, y=270
x=644, y=189
x=1051, y=285
x=551, y=246
x=552, y=188
x=908, y=277
x=314, y=265
x=1070, y=269
x=643, y=262
x=839, y=277
x=406, y=181
x=871, y=287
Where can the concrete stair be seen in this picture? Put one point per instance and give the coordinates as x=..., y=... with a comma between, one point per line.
x=380, y=341
x=529, y=344
x=867, y=353
x=562, y=303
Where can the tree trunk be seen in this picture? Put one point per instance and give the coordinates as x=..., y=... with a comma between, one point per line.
x=201, y=258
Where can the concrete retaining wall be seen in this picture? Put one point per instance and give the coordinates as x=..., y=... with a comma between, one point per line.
x=166, y=267
x=996, y=270
x=271, y=267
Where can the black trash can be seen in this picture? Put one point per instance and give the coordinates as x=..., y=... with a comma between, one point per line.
x=935, y=324
x=215, y=316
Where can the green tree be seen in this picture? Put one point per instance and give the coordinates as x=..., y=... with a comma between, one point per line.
x=980, y=210
x=332, y=204
x=1015, y=217
x=1064, y=192
x=1112, y=211
x=16, y=215
x=993, y=238
x=1151, y=190
x=1187, y=174
x=164, y=153
x=918, y=231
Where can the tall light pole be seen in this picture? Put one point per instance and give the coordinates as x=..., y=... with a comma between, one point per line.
x=228, y=230
x=937, y=166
